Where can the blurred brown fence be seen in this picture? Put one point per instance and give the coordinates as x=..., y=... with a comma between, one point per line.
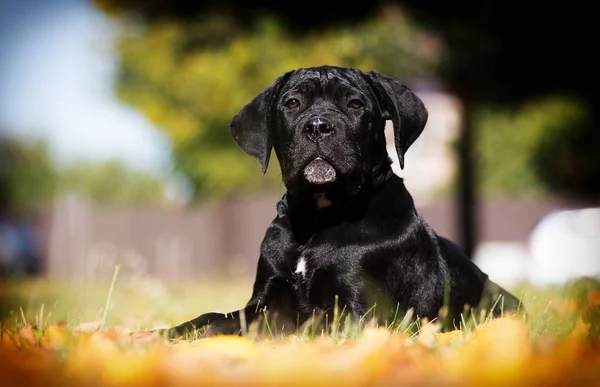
x=85, y=241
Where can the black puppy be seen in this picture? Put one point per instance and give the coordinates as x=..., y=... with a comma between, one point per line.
x=347, y=226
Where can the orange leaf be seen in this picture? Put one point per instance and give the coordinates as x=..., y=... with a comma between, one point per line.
x=54, y=337
x=581, y=329
x=594, y=298
x=26, y=335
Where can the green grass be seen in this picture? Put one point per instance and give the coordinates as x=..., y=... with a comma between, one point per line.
x=146, y=303
x=135, y=303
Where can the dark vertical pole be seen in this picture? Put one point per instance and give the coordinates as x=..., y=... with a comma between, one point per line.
x=467, y=205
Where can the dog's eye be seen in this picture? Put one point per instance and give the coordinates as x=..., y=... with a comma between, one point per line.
x=292, y=103
x=355, y=104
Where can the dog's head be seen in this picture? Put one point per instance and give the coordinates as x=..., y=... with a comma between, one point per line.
x=327, y=126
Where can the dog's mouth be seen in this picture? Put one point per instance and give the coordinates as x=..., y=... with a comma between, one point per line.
x=319, y=172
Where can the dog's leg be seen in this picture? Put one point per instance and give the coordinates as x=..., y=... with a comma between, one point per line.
x=273, y=300
x=234, y=323
x=189, y=328
x=500, y=301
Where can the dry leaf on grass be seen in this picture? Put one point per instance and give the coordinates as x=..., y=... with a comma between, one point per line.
x=88, y=326
x=581, y=329
x=499, y=352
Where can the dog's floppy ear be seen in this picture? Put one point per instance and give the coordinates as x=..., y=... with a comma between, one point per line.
x=403, y=107
x=251, y=127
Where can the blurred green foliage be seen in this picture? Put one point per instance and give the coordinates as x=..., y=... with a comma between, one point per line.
x=27, y=175
x=111, y=182
x=543, y=146
x=191, y=77
x=29, y=179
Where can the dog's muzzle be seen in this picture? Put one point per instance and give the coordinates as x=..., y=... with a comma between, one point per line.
x=319, y=171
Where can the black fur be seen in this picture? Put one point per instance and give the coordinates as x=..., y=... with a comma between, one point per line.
x=359, y=236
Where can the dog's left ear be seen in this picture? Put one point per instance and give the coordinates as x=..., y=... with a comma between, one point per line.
x=403, y=107
x=251, y=127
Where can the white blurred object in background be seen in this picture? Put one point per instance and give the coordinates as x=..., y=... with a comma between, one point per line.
x=506, y=263
x=562, y=246
x=565, y=245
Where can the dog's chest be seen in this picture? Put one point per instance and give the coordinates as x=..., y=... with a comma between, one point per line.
x=301, y=267
x=317, y=271
x=317, y=281
x=303, y=283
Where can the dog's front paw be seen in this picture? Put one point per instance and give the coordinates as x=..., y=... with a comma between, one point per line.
x=183, y=332
x=227, y=326
x=206, y=325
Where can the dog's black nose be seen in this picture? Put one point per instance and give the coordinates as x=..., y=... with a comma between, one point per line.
x=318, y=127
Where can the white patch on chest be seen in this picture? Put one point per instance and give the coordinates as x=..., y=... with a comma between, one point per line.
x=301, y=267
x=322, y=201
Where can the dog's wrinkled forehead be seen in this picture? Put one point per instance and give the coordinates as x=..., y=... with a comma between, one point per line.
x=326, y=77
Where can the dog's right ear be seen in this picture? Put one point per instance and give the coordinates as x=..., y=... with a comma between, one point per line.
x=403, y=107
x=252, y=126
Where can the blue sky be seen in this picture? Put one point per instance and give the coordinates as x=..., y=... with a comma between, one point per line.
x=57, y=66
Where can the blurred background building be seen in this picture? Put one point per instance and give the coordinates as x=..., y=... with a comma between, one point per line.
x=114, y=146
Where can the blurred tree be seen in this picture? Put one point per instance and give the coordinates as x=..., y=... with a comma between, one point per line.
x=111, y=182
x=27, y=175
x=191, y=77
x=505, y=53
x=543, y=146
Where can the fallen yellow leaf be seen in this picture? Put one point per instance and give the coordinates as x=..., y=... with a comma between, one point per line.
x=498, y=351
x=226, y=345
x=449, y=337
x=428, y=333
x=581, y=329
